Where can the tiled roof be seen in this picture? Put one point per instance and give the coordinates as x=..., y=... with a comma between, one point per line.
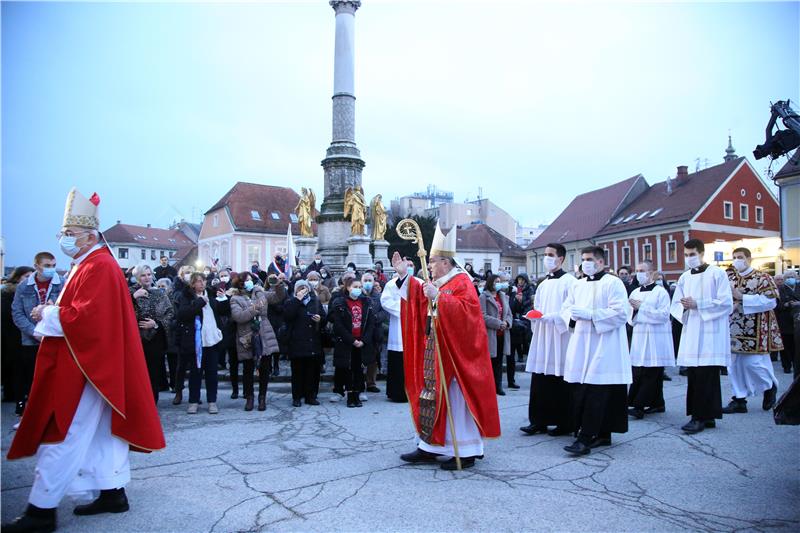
x=261, y=208
x=791, y=168
x=586, y=214
x=482, y=237
x=655, y=206
x=169, y=239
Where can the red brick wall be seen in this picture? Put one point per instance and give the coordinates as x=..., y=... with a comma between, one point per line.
x=744, y=180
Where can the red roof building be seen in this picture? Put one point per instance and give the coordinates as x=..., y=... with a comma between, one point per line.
x=248, y=224
x=485, y=248
x=134, y=245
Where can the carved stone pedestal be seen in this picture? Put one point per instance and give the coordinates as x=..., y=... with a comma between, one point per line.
x=306, y=248
x=358, y=252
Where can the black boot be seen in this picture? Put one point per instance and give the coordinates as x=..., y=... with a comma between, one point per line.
x=769, y=398
x=737, y=405
x=262, y=402
x=352, y=398
x=109, y=501
x=34, y=520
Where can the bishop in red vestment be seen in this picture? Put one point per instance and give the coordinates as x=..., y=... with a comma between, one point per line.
x=462, y=344
x=91, y=400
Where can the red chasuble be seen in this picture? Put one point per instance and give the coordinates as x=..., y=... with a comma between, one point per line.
x=464, y=349
x=101, y=344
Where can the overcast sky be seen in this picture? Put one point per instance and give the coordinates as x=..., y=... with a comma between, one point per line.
x=161, y=108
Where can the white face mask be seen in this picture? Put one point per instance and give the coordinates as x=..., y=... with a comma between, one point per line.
x=187, y=277
x=589, y=268
x=642, y=278
x=224, y=279
x=550, y=263
x=693, y=261
x=68, y=246
x=740, y=265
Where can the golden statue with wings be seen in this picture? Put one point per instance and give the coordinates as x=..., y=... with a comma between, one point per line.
x=379, y=218
x=306, y=211
x=356, y=207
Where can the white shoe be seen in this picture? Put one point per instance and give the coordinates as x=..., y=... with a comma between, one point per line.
x=336, y=397
x=15, y=426
x=192, y=410
x=212, y=408
x=362, y=396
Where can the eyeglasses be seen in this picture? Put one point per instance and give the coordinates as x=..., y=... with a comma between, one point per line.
x=70, y=234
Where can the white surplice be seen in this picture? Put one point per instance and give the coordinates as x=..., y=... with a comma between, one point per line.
x=468, y=437
x=550, y=338
x=597, y=352
x=651, y=344
x=706, y=338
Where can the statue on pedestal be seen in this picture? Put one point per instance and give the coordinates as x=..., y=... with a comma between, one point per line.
x=306, y=211
x=356, y=207
x=379, y=218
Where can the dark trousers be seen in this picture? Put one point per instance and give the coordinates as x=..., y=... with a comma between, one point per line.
x=248, y=376
x=511, y=370
x=647, y=389
x=600, y=410
x=550, y=402
x=25, y=369
x=703, y=393
x=208, y=370
x=154, y=358
x=787, y=354
x=305, y=378
x=395, y=377
x=350, y=379
x=172, y=365
x=233, y=365
x=497, y=363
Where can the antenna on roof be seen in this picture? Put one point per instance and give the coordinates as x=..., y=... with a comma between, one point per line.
x=697, y=165
x=669, y=186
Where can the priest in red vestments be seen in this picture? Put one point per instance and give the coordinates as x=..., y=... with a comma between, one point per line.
x=91, y=400
x=462, y=344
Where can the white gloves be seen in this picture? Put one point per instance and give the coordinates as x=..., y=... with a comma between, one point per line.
x=430, y=291
x=581, y=313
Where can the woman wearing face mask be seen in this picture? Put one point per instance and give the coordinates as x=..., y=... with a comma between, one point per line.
x=199, y=339
x=353, y=331
x=305, y=319
x=255, y=338
x=155, y=315
x=222, y=282
x=327, y=279
x=497, y=316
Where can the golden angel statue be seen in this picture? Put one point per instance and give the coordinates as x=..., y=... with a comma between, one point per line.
x=306, y=211
x=379, y=218
x=356, y=207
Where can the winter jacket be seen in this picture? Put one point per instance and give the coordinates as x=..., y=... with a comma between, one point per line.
x=25, y=299
x=188, y=306
x=243, y=314
x=339, y=314
x=493, y=320
x=304, y=335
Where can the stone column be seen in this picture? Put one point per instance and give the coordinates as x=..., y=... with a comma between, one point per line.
x=342, y=163
x=306, y=248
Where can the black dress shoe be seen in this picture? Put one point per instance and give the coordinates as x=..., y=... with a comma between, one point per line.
x=235, y=395
x=295, y=403
x=636, y=413
x=419, y=456
x=450, y=464
x=501, y=392
x=513, y=386
x=769, y=398
x=694, y=426
x=373, y=388
x=652, y=410
x=34, y=520
x=533, y=429
x=109, y=501
x=578, y=448
x=736, y=405
x=600, y=441
x=312, y=401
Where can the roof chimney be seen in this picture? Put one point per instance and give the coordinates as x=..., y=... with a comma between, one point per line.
x=148, y=225
x=119, y=222
x=682, y=176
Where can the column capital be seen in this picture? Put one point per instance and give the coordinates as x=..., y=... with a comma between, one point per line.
x=345, y=6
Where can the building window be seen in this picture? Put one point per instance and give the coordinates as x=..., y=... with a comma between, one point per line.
x=215, y=221
x=522, y=270
x=727, y=210
x=276, y=215
x=144, y=254
x=648, y=252
x=253, y=253
x=507, y=270
x=672, y=252
x=744, y=212
x=759, y=214
x=254, y=215
x=122, y=253
x=487, y=266
x=293, y=218
x=606, y=254
x=626, y=256
x=171, y=254
x=152, y=255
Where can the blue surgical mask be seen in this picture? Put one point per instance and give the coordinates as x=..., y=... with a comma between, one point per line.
x=248, y=285
x=48, y=272
x=306, y=299
x=355, y=293
x=67, y=244
x=368, y=286
x=791, y=282
x=501, y=286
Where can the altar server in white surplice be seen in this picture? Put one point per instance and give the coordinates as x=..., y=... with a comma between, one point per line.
x=702, y=302
x=550, y=398
x=651, y=344
x=597, y=360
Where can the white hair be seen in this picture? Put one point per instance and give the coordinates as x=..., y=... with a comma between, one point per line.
x=140, y=269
